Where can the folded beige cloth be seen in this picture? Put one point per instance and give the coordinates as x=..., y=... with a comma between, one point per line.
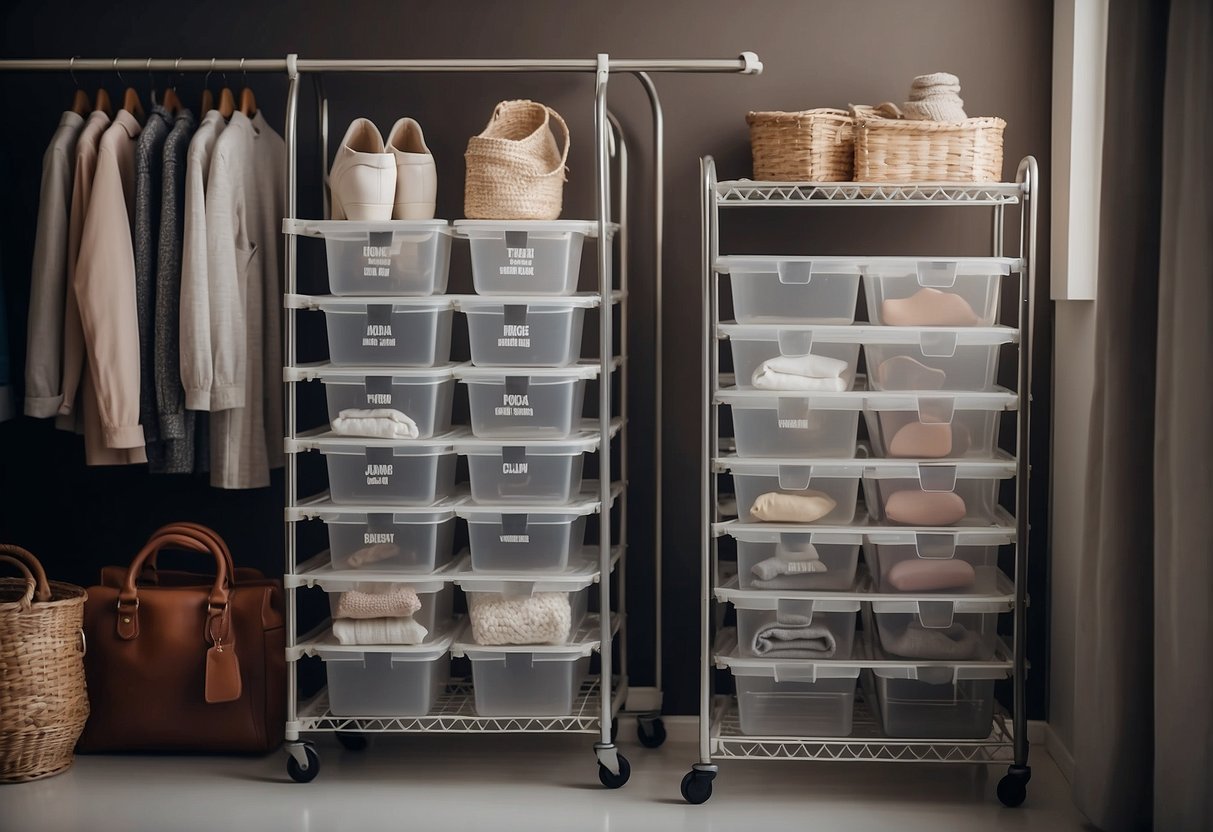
x=925, y=508
x=542, y=618
x=379, y=631
x=931, y=575
x=380, y=423
x=928, y=307
x=372, y=554
x=396, y=601
x=801, y=372
x=805, y=507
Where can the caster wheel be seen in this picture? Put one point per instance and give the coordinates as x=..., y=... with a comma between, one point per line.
x=1013, y=788
x=650, y=732
x=614, y=781
x=300, y=774
x=696, y=787
x=353, y=741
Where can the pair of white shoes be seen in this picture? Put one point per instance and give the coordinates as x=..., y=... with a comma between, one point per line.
x=371, y=180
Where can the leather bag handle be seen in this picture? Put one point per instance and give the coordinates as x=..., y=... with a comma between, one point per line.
x=42, y=587
x=205, y=536
x=31, y=584
x=218, y=619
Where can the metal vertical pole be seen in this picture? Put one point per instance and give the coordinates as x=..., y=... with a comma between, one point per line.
x=707, y=346
x=291, y=263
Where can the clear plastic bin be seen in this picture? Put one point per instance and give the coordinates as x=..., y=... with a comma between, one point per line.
x=393, y=257
x=527, y=404
x=916, y=358
x=418, y=473
x=792, y=289
x=425, y=396
x=403, y=681
x=926, y=426
x=755, y=614
x=407, y=542
x=886, y=551
x=839, y=481
x=523, y=542
x=541, y=472
x=800, y=698
x=379, y=332
x=943, y=630
x=539, y=683
x=437, y=600
x=528, y=333
x=752, y=345
x=808, y=426
x=523, y=257
x=934, y=493
x=937, y=702
x=839, y=553
x=908, y=292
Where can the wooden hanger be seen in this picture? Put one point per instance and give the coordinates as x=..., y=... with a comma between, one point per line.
x=248, y=102
x=132, y=104
x=171, y=102
x=208, y=102
x=102, y=103
x=227, y=103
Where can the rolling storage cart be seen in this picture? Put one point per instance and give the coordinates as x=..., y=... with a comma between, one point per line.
x=895, y=659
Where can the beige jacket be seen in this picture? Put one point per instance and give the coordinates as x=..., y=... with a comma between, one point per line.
x=105, y=290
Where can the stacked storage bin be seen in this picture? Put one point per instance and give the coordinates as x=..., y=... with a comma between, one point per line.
x=388, y=447
x=929, y=524
x=527, y=581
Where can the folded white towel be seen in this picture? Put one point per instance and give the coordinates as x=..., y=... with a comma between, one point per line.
x=382, y=423
x=379, y=631
x=801, y=372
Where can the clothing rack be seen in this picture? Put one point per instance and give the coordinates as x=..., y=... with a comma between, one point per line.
x=609, y=143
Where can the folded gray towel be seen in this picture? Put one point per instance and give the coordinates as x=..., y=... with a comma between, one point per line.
x=937, y=644
x=795, y=637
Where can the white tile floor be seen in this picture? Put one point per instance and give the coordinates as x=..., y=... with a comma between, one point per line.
x=525, y=783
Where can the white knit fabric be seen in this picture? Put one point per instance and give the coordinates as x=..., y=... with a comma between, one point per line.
x=379, y=631
x=381, y=422
x=935, y=97
x=542, y=618
x=393, y=601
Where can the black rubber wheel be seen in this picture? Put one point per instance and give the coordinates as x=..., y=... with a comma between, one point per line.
x=650, y=732
x=300, y=774
x=614, y=781
x=696, y=787
x=1013, y=790
x=353, y=740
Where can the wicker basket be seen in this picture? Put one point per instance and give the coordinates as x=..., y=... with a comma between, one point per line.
x=809, y=146
x=43, y=704
x=889, y=148
x=515, y=170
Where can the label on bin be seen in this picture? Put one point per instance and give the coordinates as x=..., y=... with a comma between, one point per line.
x=516, y=400
x=519, y=257
x=377, y=254
x=379, y=326
x=378, y=391
x=513, y=529
x=515, y=331
x=379, y=467
x=379, y=529
x=514, y=462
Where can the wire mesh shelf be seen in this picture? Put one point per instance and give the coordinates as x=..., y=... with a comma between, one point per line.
x=747, y=192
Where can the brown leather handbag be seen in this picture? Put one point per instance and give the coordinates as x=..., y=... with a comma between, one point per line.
x=188, y=664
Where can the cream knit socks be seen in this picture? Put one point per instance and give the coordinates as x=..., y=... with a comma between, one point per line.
x=935, y=97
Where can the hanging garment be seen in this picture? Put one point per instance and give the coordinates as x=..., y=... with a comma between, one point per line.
x=105, y=290
x=48, y=282
x=176, y=424
x=149, y=152
x=244, y=206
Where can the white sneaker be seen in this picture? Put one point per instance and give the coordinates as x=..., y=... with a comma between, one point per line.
x=416, y=176
x=363, y=177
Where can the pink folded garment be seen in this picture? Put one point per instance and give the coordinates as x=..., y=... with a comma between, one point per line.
x=930, y=575
x=904, y=373
x=925, y=508
x=928, y=307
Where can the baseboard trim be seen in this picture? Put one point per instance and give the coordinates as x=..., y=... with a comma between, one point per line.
x=1060, y=753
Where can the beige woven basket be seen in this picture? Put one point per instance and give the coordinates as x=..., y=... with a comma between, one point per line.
x=889, y=148
x=43, y=703
x=808, y=146
x=515, y=170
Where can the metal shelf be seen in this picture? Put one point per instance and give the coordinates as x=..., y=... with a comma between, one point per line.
x=748, y=192
x=866, y=742
x=455, y=713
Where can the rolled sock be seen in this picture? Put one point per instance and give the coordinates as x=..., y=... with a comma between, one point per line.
x=396, y=601
x=935, y=79
x=924, y=440
x=542, y=618
x=372, y=554
x=770, y=568
x=925, y=508
x=928, y=307
x=901, y=372
x=795, y=636
x=805, y=507
x=801, y=372
x=379, y=631
x=383, y=422
x=931, y=574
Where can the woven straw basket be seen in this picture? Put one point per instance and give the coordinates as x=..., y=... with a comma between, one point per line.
x=515, y=170
x=889, y=148
x=43, y=704
x=808, y=146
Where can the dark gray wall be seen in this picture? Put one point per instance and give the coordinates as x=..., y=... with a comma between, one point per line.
x=823, y=53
